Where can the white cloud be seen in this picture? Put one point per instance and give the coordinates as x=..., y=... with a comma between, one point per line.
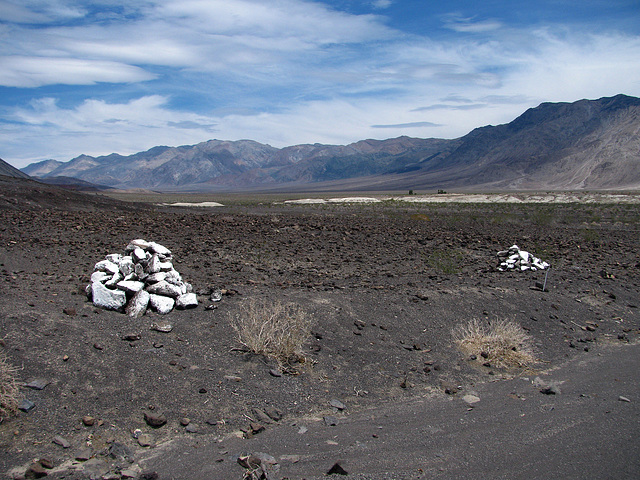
x=381, y=4
x=471, y=25
x=21, y=71
x=38, y=11
x=96, y=127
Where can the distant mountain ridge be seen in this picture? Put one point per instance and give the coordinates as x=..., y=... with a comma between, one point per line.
x=589, y=144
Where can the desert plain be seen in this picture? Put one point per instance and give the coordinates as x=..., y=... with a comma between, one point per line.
x=379, y=388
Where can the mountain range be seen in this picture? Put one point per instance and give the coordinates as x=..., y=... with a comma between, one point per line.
x=588, y=144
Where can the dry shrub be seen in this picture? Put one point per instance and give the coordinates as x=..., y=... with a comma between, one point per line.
x=502, y=343
x=272, y=329
x=9, y=390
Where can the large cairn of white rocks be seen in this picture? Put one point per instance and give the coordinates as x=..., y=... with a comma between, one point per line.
x=516, y=259
x=142, y=278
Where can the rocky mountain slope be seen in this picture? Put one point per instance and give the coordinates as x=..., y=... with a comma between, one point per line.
x=10, y=171
x=589, y=144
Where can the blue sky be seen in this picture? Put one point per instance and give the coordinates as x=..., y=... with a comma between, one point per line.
x=103, y=76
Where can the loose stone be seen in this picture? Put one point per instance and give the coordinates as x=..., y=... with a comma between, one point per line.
x=161, y=304
x=137, y=306
x=155, y=420
x=63, y=442
x=187, y=300
x=88, y=420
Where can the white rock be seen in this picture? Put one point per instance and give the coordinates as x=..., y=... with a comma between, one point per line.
x=188, y=300
x=139, y=243
x=156, y=277
x=166, y=266
x=113, y=257
x=126, y=265
x=173, y=277
x=138, y=254
x=161, y=304
x=130, y=286
x=165, y=288
x=104, y=298
x=137, y=306
x=159, y=249
x=106, y=266
x=162, y=326
x=154, y=265
x=117, y=277
x=140, y=273
x=100, y=277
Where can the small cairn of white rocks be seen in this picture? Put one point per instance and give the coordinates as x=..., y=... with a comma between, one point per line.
x=142, y=278
x=516, y=259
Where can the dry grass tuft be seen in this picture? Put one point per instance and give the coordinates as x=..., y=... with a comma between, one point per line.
x=502, y=343
x=272, y=329
x=9, y=390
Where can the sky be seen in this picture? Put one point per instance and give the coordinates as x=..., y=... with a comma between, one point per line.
x=118, y=76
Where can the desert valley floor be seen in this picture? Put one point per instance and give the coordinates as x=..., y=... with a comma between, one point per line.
x=384, y=285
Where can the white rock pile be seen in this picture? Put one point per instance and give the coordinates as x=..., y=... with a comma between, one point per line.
x=142, y=278
x=516, y=259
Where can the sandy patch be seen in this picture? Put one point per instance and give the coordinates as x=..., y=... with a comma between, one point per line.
x=561, y=197
x=522, y=198
x=354, y=200
x=308, y=201
x=187, y=204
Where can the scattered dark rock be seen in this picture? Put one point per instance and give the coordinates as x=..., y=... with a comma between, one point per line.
x=191, y=428
x=37, y=384
x=275, y=414
x=155, y=420
x=145, y=440
x=84, y=455
x=88, y=420
x=256, y=428
x=63, y=442
x=35, y=470
x=70, y=311
x=261, y=416
x=330, y=420
x=149, y=476
x=337, y=469
x=26, y=405
x=548, y=388
x=46, y=463
x=119, y=451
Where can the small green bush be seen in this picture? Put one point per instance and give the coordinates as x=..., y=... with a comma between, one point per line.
x=448, y=261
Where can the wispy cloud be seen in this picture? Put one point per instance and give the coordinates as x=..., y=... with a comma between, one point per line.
x=471, y=25
x=444, y=106
x=408, y=125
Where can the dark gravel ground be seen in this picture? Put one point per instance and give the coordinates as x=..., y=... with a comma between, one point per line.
x=384, y=285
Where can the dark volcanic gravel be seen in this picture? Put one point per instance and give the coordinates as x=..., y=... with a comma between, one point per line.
x=384, y=284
